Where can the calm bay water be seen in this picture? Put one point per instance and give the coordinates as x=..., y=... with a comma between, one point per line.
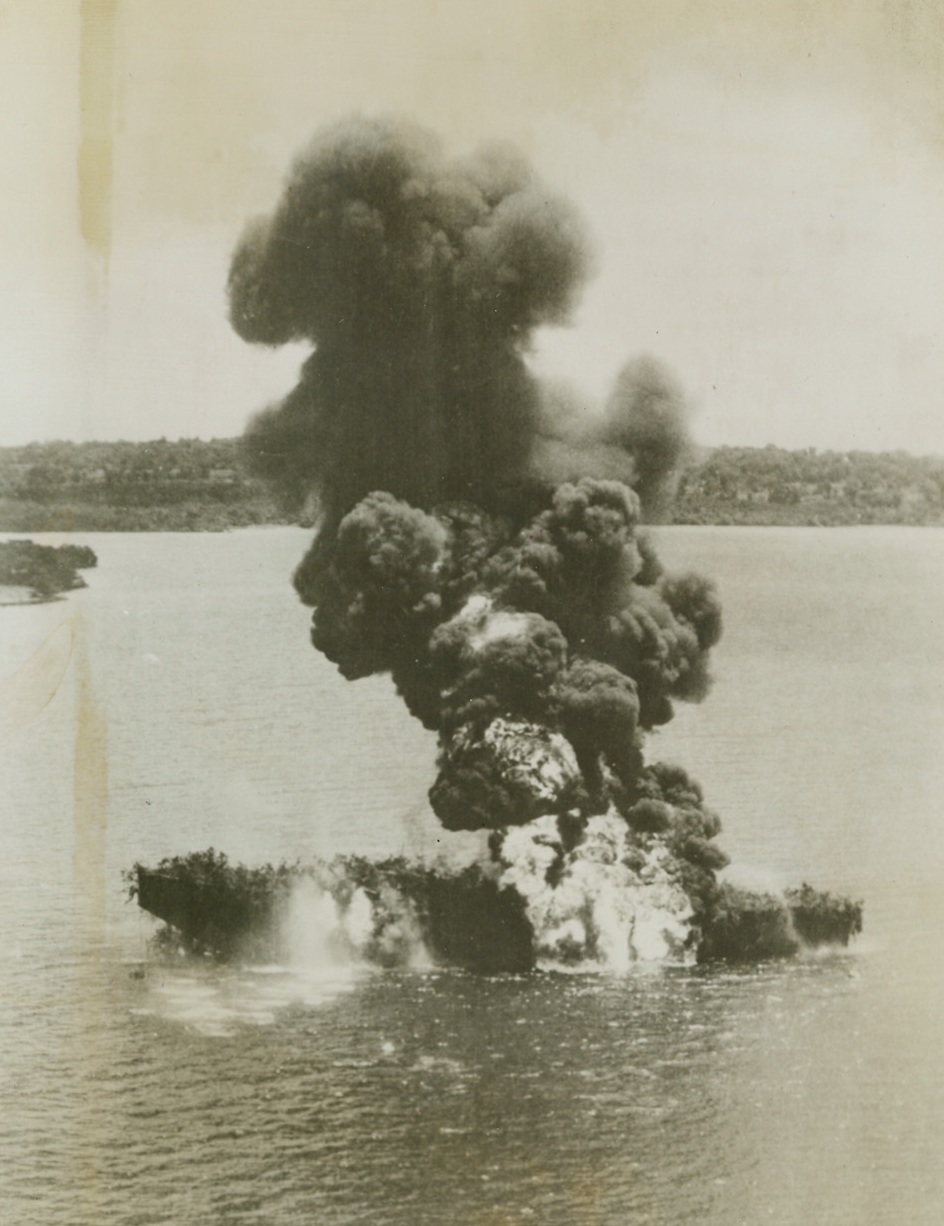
x=138, y=1091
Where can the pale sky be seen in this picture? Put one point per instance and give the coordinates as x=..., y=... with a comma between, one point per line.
x=765, y=182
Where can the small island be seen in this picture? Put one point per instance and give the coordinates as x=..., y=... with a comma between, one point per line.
x=31, y=572
x=468, y=918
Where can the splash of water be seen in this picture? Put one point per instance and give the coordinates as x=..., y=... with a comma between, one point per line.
x=325, y=928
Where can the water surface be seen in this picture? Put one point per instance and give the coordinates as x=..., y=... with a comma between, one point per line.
x=142, y=1091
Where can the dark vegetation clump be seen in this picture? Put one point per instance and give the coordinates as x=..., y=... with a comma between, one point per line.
x=823, y=919
x=44, y=569
x=216, y=907
x=459, y=918
x=82, y=557
x=741, y=926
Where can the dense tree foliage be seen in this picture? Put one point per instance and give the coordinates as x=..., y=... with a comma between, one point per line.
x=768, y=485
x=43, y=570
x=185, y=485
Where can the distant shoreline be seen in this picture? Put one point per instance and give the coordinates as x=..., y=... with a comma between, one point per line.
x=37, y=519
x=192, y=485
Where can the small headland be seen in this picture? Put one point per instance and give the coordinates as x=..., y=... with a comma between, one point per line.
x=31, y=572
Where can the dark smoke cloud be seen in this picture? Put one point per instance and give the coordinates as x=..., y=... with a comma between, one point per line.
x=379, y=595
x=641, y=439
x=419, y=281
x=647, y=416
x=479, y=533
x=564, y=624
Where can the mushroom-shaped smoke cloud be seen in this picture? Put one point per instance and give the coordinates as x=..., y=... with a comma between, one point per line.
x=475, y=541
x=419, y=281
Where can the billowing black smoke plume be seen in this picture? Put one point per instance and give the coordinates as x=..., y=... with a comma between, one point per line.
x=478, y=532
x=420, y=282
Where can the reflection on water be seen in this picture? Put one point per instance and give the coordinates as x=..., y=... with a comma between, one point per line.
x=141, y=1088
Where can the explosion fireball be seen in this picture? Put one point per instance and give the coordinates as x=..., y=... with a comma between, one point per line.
x=479, y=532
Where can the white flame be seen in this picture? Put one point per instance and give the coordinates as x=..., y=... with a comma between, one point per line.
x=601, y=907
x=489, y=625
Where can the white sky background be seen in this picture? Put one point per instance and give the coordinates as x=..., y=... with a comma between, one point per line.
x=765, y=182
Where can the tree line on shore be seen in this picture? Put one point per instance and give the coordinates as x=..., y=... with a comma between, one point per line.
x=204, y=485
x=771, y=485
